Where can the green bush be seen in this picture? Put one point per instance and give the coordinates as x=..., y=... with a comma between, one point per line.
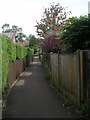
x=84, y=110
x=18, y=51
x=25, y=52
x=0, y=63
x=76, y=34
x=30, y=51
x=10, y=52
x=5, y=66
x=13, y=52
x=6, y=57
x=9, y=47
x=21, y=52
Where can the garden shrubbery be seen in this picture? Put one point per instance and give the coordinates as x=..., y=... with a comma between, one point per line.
x=31, y=52
x=11, y=52
x=21, y=52
x=76, y=34
x=0, y=64
x=5, y=66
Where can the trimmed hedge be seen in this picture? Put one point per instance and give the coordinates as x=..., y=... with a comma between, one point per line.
x=13, y=52
x=10, y=52
x=5, y=66
x=0, y=65
x=21, y=52
x=30, y=51
x=9, y=47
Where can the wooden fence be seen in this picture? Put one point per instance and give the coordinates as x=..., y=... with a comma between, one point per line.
x=16, y=68
x=71, y=75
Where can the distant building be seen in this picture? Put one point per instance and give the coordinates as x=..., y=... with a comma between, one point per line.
x=11, y=35
x=25, y=43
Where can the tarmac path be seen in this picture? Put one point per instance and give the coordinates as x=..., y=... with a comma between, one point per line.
x=32, y=97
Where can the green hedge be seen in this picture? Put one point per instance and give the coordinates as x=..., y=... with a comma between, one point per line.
x=10, y=52
x=21, y=52
x=13, y=52
x=5, y=66
x=9, y=47
x=18, y=52
x=31, y=51
x=0, y=64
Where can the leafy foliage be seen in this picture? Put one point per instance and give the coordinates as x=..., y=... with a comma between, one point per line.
x=5, y=66
x=13, y=52
x=31, y=52
x=7, y=46
x=51, y=44
x=19, y=36
x=21, y=52
x=10, y=52
x=5, y=28
x=33, y=44
x=50, y=27
x=0, y=64
x=32, y=40
x=51, y=21
x=76, y=34
x=84, y=110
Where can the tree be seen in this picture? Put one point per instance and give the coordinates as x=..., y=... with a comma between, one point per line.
x=50, y=27
x=19, y=35
x=32, y=40
x=52, y=21
x=76, y=34
x=51, y=45
x=16, y=29
x=5, y=28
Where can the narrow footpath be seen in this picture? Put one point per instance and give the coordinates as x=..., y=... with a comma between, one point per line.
x=32, y=97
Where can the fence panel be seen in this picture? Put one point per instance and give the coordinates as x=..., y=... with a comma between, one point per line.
x=54, y=68
x=84, y=74
x=16, y=68
x=69, y=76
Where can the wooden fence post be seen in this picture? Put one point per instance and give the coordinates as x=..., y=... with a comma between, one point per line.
x=88, y=82
x=83, y=75
x=78, y=73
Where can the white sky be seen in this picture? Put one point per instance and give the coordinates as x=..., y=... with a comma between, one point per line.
x=25, y=13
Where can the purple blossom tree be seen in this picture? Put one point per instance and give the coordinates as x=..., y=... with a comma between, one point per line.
x=51, y=44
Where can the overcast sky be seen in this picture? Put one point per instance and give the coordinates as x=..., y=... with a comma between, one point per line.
x=25, y=13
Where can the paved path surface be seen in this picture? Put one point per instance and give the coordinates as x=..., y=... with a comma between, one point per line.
x=32, y=97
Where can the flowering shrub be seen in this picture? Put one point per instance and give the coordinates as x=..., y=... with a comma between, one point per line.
x=51, y=44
